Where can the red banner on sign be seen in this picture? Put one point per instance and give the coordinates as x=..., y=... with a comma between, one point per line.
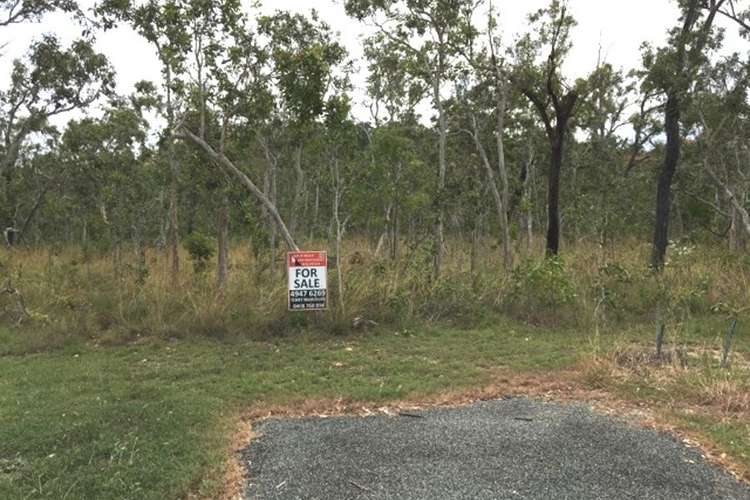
x=307, y=259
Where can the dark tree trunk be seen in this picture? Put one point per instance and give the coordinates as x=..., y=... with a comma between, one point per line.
x=664, y=186
x=553, y=194
x=563, y=109
x=8, y=211
x=686, y=59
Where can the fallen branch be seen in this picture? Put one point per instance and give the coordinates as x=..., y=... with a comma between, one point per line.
x=412, y=415
x=363, y=488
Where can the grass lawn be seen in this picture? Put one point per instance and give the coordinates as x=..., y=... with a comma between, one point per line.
x=152, y=419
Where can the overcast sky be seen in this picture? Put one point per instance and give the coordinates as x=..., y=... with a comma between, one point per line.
x=620, y=26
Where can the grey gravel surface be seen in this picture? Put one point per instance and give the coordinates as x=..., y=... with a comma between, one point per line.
x=515, y=448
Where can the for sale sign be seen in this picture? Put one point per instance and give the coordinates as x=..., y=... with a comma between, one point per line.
x=307, y=272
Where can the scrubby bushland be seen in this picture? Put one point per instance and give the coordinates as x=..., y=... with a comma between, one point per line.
x=70, y=295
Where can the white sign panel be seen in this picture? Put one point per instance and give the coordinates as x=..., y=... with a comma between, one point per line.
x=307, y=274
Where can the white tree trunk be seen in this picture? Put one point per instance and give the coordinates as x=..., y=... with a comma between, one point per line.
x=340, y=229
x=737, y=204
x=222, y=270
x=500, y=204
x=503, y=171
x=222, y=161
x=172, y=234
x=443, y=130
x=299, y=189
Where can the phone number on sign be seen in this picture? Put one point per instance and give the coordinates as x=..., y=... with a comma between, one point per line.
x=307, y=293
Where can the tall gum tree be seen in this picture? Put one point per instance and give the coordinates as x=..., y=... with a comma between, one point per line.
x=393, y=93
x=50, y=80
x=489, y=99
x=292, y=73
x=554, y=100
x=669, y=72
x=602, y=115
x=306, y=57
x=718, y=119
x=237, y=99
x=164, y=24
x=426, y=34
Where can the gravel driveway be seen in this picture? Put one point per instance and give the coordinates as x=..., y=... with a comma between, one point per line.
x=515, y=448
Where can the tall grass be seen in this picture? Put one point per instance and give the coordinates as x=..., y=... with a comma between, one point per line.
x=74, y=294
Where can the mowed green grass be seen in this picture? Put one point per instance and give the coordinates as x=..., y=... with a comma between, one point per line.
x=152, y=420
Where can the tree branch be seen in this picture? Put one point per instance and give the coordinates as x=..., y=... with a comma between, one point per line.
x=542, y=108
x=222, y=161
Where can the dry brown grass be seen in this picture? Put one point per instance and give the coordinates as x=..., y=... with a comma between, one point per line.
x=68, y=293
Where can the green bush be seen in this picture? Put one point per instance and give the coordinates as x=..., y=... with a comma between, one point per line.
x=542, y=292
x=201, y=249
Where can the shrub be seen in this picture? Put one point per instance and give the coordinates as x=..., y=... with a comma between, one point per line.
x=201, y=249
x=541, y=292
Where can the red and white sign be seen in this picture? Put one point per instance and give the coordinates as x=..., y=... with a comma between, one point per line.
x=307, y=273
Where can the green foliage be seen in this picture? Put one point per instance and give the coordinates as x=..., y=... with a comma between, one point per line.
x=608, y=282
x=542, y=291
x=201, y=249
x=14, y=12
x=546, y=280
x=51, y=79
x=622, y=292
x=304, y=52
x=274, y=97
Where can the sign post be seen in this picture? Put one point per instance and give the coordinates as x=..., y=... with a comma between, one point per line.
x=307, y=276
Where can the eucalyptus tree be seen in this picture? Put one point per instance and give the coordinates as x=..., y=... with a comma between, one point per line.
x=165, y=25
x=213, y=25
x=719, y=118
x=525, y=139
x=487, y=104
x=601, y=117
x=306, y=57
x=23, y=11
x=283, y=77
x=393, y=93
x=240, y=102
x=553, y=98
x=50, y=80
x=392, y=89
x=425, y=35
x=105, y=163
x=39, y=176
x=472, y=181
x=670, y=71
x=342, y=147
